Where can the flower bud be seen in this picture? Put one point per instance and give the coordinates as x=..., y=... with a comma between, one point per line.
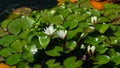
x=91, y=50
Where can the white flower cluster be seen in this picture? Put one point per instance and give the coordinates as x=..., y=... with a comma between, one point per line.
x=50, y=31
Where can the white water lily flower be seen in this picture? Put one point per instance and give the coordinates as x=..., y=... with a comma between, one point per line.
x=62, y=33
x=49, y=30
x=34, y=49
x=94, y=19
x=91, y=50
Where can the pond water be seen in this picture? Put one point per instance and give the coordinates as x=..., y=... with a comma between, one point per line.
x=7, y=6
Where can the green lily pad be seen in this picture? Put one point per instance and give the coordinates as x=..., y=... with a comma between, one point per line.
x=104, y=28
x=18, y=24
x=71, y=45
x=7, y=40
x=44, y=41
x=51, y=64
x=55, y=51
x=18, y=45
x=71, y=62
x=13, y=59
x=5, y=52
x=101, y=59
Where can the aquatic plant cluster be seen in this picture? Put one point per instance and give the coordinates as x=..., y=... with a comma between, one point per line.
x=70, y=35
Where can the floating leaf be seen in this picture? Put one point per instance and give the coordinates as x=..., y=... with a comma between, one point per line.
x=115, y=58
x=20, y=23
x=24, y=34
x=101, y=59
x=44, y=41
x=104, y=19
x=27, y=55
x=13, y=59
x=111, y=6
x=70, y=24
x=92, y=41
x=100, y=49
x=110, y=11
x=58, y=19
x=84, y=17
x=55, y=51
x=71, y=62
x=51, y=64
x=103, y=28
x=7, y=40
x=26, y=22
x=71, y=45
x=5, y=52
x=14, y=26
x=5, y=23
x=18, y=45
x=22, y=64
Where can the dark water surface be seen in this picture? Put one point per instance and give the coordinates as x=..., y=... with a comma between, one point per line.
x=7, y=6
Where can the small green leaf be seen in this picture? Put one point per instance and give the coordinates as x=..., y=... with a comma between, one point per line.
x=95, y=12
x=13, y=59
x=103, y=28
x=92, y=41
x=26, y=22
x=5, y=23
x=101, y=59
x=71, y=45
x=70, y=24
x=22, y=64
x=51, y=64
x=84, y=17
x=55, y=51
x=58, y=19
x=24, y=34
x=14, y=26
x=18, y=45
x=109, y=12
x=71, y=62
x=104, y=19
x=5, y=52
x=44, y=41
x=111, y=6
x=115, y=58
x=7, y=40
x=113, y=40
x=27, y=55
x=100, y=49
